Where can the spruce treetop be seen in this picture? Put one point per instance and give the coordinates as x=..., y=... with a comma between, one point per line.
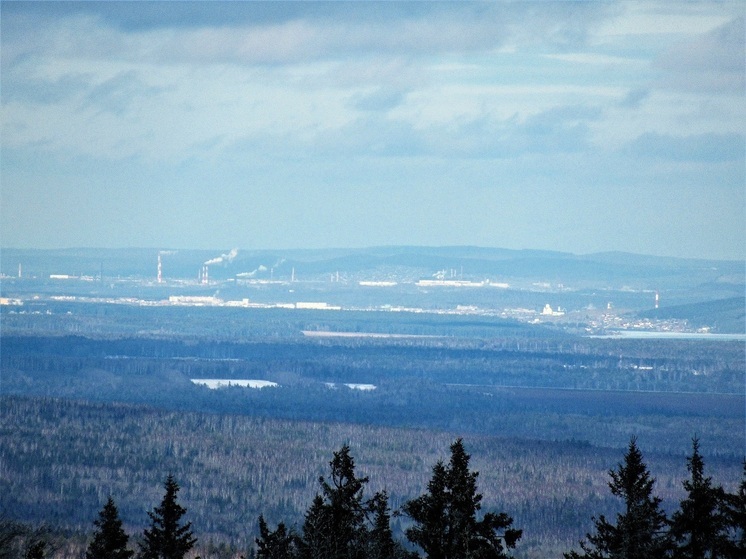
x=167, y=538
x=109, y=540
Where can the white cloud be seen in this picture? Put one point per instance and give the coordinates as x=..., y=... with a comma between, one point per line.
x=307, y=116
x=634, y=18
x=454, y=103
x=596, y=59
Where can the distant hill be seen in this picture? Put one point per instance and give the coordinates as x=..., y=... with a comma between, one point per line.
x=692, y=279
x=724, y=315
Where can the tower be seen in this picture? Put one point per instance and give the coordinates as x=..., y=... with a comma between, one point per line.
x=160, y=269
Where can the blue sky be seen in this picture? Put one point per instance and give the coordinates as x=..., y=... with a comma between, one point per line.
x=572, y=126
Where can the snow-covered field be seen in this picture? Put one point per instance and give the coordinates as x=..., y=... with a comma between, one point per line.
x=222, y=383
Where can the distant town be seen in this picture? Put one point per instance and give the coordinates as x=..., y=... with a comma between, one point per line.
x=591, y=320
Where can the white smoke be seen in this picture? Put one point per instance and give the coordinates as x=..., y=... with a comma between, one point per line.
x=223, y=258
x=261, y=268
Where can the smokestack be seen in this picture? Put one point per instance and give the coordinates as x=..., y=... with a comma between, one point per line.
x=160, y=269
x=657, y=299
x=20, y=273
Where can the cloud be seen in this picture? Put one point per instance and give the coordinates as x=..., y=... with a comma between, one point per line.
x=635, y=97
x=696, y=148
x=121, y=92
x=292, y=32
x=383, y=99
x=561, y=129
x=714, y=62
x=143, y=16
x=188, y=79
x=18, y=86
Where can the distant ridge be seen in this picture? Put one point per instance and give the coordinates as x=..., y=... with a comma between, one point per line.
x=696, y=279
x=727, y=315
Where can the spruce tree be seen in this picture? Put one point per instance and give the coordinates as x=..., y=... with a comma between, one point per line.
x=277, y=544
x=335, y=524
x=314, y=541
x=735, y=514
x=381, y=543
x=639, y=532
x=429, y=513
x=445, y=518
x=167, y=538
x=109, y=540
x=11, y=533
x=19, y=540
x=699, y=527
x=35, y=550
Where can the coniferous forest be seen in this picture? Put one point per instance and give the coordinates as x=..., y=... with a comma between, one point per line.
x=344, y=520
x=221, y=498
x=472, y=438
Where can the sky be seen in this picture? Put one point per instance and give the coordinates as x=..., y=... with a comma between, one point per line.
x=572, y=126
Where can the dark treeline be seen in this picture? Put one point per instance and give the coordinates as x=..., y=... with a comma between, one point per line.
x=166, y=537
x=555, y=389
x=445, y=522
x=660, y=365
x=230, y=324
x=62, y=459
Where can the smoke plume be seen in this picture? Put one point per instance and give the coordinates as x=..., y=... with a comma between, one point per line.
x=223, y=258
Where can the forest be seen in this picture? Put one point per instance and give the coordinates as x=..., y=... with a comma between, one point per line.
x=555, y=388
x=62, y=459
x=101, y=403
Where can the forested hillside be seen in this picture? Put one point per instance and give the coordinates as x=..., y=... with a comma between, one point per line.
x=545, y=388
x=61, y=459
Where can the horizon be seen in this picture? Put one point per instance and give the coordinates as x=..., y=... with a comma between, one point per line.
x=578, y=128
x=221, y=252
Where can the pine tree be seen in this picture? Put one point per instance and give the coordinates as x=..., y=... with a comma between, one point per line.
x=639, y=531
x=109, y=540
x=167, y=538
x=445, y=518
x=700, y=526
